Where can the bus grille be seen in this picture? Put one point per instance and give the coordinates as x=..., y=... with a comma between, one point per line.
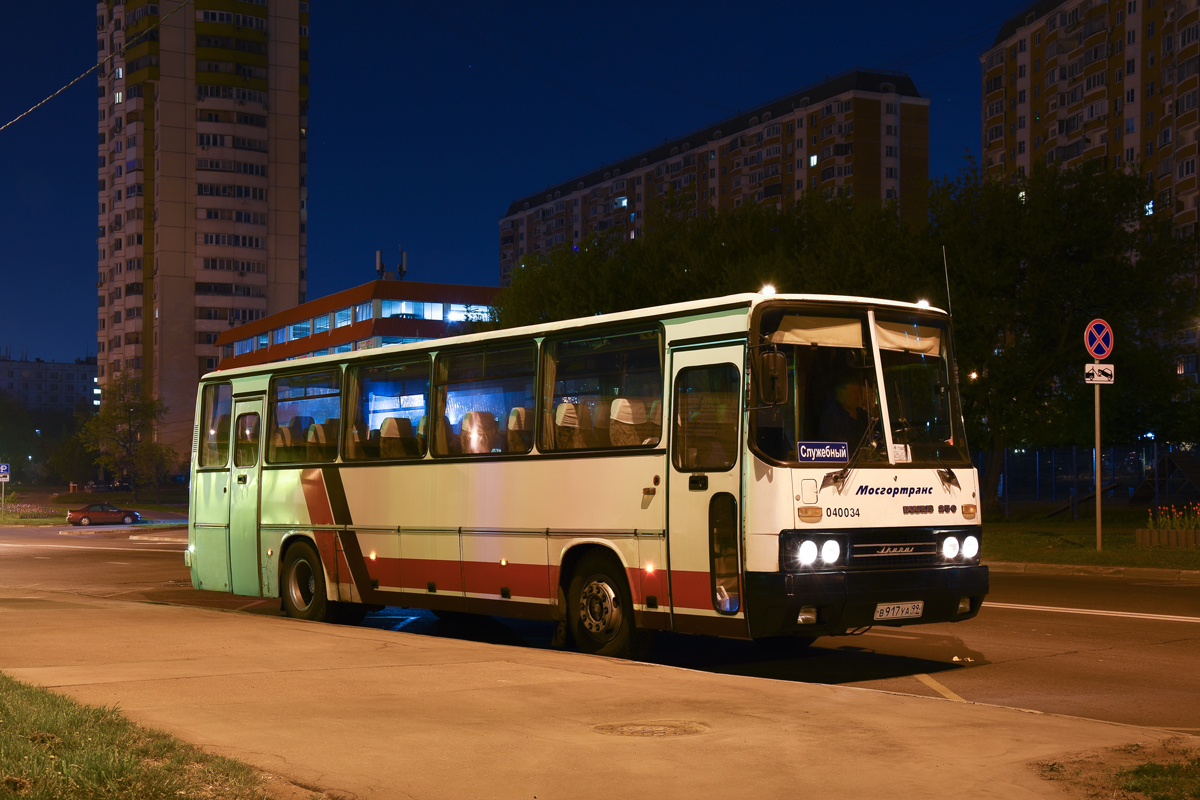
x=902, y=548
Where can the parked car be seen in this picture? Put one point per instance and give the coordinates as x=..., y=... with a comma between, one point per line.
x=102, y=514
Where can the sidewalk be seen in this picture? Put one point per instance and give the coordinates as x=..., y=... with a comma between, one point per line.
x=382, y=714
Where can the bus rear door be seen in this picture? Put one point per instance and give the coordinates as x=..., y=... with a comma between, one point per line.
x=704, y=489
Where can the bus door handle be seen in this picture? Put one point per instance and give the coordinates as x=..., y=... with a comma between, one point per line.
x=698, y=483
x=241, y=478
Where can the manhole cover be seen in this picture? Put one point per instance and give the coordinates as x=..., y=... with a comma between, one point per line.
x=651, y=729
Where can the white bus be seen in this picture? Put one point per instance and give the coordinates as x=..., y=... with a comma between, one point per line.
x=764, y=467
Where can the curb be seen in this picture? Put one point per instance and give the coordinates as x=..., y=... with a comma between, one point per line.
x=131, y=529
x=161, y=537
x=1141, y=573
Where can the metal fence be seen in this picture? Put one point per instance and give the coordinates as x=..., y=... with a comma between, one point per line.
x=1062, y=474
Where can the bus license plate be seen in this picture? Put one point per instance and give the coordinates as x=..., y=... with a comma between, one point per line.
x=886, y=611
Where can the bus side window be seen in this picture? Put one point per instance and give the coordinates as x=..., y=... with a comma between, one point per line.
x=215, y=413
x=480, y=396
x=723, y=537
x=602, y=391
x=387, y=404
x=706, y=418
x=305, y=417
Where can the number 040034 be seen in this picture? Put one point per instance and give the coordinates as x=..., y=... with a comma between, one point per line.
x=843, y=512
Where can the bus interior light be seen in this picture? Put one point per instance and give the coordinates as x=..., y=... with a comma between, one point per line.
x=830, y=551
x=970, y=547
x=808, y=553
x=950, y=548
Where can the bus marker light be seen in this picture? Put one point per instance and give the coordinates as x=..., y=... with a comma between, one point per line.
x=808, y=616
x=969, y=510
x=372, y=555
x=808, y=553
x=830, y=551
x=950, y=547
x=810, y=514
x=504, y=562
x=649, y=569
x=269, y=552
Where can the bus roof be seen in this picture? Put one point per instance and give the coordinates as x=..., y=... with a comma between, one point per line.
x=747, y=299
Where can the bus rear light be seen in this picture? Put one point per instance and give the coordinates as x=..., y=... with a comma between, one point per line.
x=810, y=514
x=969, y=510
x=807, y=616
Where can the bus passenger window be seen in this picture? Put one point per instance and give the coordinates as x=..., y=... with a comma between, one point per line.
x=388, y=404
x=706, y=418
x=483, y=401
x=245, y=450
x=305, y=417
x=215, y=410
x=602, y=391
x=723, y=538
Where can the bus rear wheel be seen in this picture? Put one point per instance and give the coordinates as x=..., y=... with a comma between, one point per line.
x=600, y=610
x=304, y=584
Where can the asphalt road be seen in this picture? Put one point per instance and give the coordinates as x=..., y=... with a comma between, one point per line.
x=1103, y=648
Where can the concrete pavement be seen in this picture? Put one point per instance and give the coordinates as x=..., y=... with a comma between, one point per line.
x=383, y=714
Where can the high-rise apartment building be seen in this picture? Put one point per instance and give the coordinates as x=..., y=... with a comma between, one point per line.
x=1110, y=81
x=48, y=385
x=860, y=134
x=202, y=119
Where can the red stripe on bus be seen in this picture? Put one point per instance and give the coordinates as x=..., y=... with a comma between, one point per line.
x=316, y=498
x=522, y=580
x=415, y=573
x=691, y=589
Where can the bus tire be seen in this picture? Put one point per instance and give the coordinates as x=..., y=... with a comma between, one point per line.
x=600, y=610
x=303, y=584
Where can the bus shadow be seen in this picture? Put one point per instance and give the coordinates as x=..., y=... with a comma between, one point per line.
x=830, y=660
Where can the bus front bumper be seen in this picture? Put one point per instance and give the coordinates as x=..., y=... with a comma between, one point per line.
x=782, y=603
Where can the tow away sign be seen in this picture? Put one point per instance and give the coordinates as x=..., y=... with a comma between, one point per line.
x=1098, y=373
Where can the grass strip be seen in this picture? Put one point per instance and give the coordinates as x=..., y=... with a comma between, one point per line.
x=1029, y=537
x=1179, y=780
x=52, y=747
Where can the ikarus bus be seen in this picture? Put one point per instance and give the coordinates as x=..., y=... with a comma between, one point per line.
x=761, y=467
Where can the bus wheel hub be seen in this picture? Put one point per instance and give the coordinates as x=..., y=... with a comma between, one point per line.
x=599, y=608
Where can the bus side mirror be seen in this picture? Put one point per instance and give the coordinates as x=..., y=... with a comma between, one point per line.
x=773, y=378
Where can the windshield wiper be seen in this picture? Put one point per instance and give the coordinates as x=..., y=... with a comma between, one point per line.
x=944, y=472
x=839, y=477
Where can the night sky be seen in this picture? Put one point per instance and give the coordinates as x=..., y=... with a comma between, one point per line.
x=428, y=118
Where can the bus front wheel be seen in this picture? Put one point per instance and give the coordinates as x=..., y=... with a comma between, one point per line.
x=304, y=583
x=600, y=610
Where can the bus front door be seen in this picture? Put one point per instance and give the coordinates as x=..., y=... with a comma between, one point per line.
x=244, y=497
x=704, y=489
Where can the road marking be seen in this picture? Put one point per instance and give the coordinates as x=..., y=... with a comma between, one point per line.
x=81, y=547
x=118, y=563
x=937, y=687
x=251, y=605
x=890, y=635
x=1095, y=612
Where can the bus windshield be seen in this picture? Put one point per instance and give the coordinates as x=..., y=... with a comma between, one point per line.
x=918, y=382
x=833, y=412
x=833, y=394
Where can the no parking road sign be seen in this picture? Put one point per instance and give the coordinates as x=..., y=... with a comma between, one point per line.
x=3, y=473
x=1098, y=339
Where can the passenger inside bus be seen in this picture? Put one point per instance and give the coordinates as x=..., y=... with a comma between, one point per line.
x=844, y=418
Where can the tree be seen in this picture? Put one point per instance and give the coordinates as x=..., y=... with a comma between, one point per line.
x=153, y=464
x=126, y=418
x=18, y=437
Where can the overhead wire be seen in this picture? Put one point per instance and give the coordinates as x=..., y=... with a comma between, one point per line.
x=94, y=67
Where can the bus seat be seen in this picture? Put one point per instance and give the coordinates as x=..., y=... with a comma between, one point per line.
x=445, y=441
x=627, y=417
x=520, y=430
x=396, y=439
x=571, y=421
x=480, y=432
x=652, y=431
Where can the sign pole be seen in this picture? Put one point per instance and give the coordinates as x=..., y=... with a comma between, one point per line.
x=1097, y=388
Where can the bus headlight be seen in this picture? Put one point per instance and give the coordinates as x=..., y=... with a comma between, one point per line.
x=808, y=553
x=830, y=551
x=950, y=548
x=970, y=547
